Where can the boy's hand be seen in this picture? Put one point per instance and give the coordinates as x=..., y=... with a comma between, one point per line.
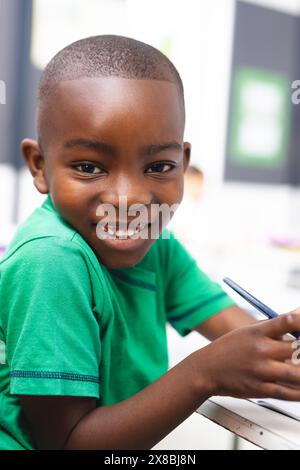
x=253, y=361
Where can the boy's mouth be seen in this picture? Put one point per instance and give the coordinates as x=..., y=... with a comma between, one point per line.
x=124, y=239
x=123, y=231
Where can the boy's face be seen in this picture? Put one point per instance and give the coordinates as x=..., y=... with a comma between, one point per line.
x=106, y=138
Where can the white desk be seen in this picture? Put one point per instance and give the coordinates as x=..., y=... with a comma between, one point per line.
x=265, y=428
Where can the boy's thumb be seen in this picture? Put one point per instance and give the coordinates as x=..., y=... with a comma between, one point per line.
x=285, y=323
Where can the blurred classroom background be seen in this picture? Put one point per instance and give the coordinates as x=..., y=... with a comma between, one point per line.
x=238, y=60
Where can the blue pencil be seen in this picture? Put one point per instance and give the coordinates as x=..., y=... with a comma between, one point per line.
x=255, y=302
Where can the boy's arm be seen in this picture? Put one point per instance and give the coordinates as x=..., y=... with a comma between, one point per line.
x=223, y=322
x=139, y=422
x=247, y=362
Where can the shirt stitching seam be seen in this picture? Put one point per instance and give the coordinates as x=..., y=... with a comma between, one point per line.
x=136, y=282
x=200, y=305
x=54, y=375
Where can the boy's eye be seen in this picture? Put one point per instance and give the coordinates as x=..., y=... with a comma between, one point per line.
x=160, y=168
x=88, y=168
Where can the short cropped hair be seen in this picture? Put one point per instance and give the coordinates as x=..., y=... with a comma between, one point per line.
x=107, y=56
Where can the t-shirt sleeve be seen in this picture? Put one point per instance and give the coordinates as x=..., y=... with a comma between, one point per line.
x=52, y=334
x=191, y=297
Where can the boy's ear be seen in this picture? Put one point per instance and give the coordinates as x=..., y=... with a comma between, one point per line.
x=187, y=147
x=36, y=163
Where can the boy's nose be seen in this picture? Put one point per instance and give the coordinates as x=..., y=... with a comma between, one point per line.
x=129, y=191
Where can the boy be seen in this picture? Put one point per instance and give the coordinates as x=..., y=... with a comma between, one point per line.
x=83, y=316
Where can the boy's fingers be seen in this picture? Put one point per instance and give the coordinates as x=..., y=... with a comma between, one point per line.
x=282, y=350
x=286, y=323
x=279, y=391
x=287, y=374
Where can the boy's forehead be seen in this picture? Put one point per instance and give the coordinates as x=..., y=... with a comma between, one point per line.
x=92, y=102
x=115, y=92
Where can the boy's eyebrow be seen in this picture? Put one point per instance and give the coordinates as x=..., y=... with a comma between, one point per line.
x=97, y=145
x=156, y=148
x=103, y=147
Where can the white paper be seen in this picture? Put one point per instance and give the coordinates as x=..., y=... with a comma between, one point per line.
x=289, y=408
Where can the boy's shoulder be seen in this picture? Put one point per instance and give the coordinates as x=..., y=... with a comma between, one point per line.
x=44, y=234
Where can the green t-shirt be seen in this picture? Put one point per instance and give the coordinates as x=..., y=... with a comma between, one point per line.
x=70, y=326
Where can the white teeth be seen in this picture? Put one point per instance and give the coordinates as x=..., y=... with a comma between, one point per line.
x=125, y=233
x=121, y=233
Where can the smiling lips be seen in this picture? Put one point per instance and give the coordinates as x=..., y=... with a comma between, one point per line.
x=124, y=233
